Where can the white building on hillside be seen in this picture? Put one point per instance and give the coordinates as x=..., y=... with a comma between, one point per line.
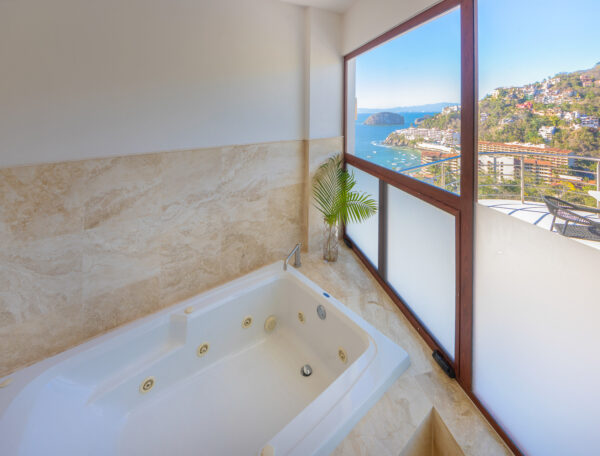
x=547, y=132
x=501, y=166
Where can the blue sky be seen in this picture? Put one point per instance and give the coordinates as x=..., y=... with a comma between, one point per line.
x=520, y=41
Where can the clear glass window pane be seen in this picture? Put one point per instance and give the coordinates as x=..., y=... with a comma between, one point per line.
x=404, y=103
x=421, y=262
x=365, y=235
x=539, y=111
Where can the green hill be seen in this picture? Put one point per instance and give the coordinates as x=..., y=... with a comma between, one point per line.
x=517, y=113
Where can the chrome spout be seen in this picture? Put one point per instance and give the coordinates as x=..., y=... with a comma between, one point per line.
x=296, y=253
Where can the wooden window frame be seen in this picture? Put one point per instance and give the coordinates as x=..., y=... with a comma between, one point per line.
x=461, y=206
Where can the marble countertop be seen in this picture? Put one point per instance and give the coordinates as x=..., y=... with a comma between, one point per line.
x=396, y=422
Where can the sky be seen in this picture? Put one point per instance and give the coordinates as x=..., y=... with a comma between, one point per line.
x=520, y=41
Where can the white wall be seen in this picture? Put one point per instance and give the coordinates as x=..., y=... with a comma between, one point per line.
x=536, y=337
x=367, y=19
x=83, y=79
x=325, y=75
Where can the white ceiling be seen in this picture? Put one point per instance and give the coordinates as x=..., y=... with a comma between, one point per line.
x=339, y=6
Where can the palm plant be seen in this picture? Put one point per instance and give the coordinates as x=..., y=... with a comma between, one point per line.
x=335, y=198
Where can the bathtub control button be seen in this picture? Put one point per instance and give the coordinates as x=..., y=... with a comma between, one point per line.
x=321, y=312
x=301, y=317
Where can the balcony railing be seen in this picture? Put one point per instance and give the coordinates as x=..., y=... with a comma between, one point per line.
x=520, y=176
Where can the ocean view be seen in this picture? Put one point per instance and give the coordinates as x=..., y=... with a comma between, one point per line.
x=369, y=143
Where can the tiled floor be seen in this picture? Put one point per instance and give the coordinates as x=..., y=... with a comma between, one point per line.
x=390, y=424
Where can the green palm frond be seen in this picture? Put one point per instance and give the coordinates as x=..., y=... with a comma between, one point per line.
x=334, y=196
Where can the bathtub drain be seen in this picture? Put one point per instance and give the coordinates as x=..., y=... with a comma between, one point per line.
x=306, y=370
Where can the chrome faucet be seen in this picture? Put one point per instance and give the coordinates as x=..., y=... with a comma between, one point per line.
x=295, y=251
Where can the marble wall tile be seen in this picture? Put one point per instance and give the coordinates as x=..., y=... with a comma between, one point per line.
x=39, y=278
x=121, y=270
x=191, y=223
x=40, y=337
x=190, y=250
x=245, y=233
x=120, y=189
x=285, y=212
x=119, y=254
x=252, y=169
x=117, y=306
x=40, y=300
x=39, y=202
x=321, y=149
x=259, y=229
x=189, y=178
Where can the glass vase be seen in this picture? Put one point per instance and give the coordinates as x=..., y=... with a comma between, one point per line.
x=331, y=242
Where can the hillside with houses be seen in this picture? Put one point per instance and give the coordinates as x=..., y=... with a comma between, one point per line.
x=560, y=112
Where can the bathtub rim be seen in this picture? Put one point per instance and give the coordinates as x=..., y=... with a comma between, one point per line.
x=31, y=377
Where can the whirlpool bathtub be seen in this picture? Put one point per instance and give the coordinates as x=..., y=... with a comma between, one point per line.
x=219, y=374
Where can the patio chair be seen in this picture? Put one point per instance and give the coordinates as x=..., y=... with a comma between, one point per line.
x=581, y=227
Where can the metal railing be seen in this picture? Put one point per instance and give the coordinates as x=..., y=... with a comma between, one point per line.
x=524, y=176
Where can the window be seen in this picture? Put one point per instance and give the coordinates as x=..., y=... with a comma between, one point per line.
x=536, y=294
x=533, y=302
x=403, y=124
x=404, y=103
x=539, y=113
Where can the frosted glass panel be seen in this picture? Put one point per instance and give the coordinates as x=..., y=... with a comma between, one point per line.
x=365, y=234
x=535, y=335
x=421, y=262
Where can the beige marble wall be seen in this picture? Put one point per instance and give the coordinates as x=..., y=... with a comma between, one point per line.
x=88, y=246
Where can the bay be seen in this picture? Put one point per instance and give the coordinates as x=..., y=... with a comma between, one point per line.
x=369, y=143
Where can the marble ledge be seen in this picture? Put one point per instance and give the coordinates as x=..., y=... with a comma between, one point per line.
x=421, y=392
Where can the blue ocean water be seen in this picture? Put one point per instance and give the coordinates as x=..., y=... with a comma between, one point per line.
x=369, y=143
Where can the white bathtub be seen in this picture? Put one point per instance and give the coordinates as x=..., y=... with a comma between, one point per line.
x=244, y=396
